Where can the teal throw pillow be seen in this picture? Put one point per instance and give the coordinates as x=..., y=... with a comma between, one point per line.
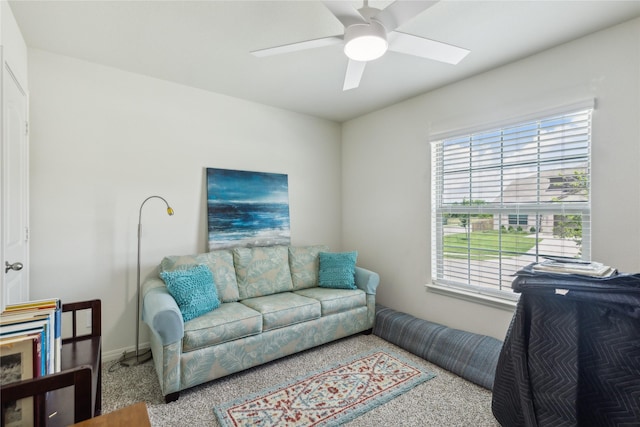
x=337, y=270
x=193, y=289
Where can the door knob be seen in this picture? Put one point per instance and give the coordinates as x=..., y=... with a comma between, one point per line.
x=16, y=266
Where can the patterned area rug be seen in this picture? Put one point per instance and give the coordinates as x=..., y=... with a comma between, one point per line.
x=329, y=397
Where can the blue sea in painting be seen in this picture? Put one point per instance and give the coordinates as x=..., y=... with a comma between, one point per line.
x=247, y=224
x=247, y=208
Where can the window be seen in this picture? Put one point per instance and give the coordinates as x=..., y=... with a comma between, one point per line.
x=506, y=197
x=518, y=219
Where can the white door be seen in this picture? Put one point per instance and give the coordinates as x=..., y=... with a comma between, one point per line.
x=15, y=191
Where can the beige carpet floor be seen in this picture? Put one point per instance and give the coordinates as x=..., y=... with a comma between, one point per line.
x=446, y=400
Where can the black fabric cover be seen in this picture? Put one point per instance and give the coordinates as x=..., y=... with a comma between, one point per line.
x=571, y=356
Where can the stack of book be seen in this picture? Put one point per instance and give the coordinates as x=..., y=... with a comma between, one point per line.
x=574, y=266
x=30, y=340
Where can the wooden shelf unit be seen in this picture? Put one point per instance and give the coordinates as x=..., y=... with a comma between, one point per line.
x=75, y=393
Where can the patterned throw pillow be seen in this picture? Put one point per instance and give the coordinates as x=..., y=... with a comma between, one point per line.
x=337, y=270
x=193, y=289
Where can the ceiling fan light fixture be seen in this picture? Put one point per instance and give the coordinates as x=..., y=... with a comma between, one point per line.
x=365, y=42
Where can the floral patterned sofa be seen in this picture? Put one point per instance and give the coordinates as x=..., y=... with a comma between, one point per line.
x=271, y=302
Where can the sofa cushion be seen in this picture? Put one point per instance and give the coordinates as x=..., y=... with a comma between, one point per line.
x=229, y=322
x=220, y=263
x=262, y=271
x=335, y=300
x=303, y=262
x=284, y=309
x=337, y=270
x=193, y=289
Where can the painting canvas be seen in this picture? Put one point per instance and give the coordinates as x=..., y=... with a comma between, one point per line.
x=247, y=208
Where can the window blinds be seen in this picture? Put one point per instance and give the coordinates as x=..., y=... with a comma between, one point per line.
x=505, y=197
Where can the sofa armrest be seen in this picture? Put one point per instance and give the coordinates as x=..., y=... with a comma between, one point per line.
x=367, y=280
x=161, y=313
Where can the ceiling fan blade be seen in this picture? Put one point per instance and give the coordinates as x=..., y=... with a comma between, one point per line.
x=345, y=12
x=425, y=48
x=399, y=12
x=293, y=47
x=355, y=69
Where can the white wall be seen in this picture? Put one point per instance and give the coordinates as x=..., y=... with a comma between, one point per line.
x=386, y=165
x=14, y=49
x=102, y=140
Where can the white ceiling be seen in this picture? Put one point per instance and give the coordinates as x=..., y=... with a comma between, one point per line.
x=206, y=44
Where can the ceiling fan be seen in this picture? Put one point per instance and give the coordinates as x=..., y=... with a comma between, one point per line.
x=370, y=32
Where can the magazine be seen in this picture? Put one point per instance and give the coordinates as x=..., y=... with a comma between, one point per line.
x=568, y=266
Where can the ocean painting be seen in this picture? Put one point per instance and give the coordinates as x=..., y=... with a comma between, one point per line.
x=247, y=208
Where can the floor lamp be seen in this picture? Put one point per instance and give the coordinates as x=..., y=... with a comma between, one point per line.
x=134, y=358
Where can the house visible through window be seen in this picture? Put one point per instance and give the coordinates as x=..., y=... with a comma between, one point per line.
x=518, y=219
x=507, y=197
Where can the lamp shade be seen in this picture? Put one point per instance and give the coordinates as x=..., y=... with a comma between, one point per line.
x=365, y=42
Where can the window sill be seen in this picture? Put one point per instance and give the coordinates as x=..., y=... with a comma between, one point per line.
x=475, y=297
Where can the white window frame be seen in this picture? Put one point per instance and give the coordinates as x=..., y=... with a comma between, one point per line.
x=494, y=295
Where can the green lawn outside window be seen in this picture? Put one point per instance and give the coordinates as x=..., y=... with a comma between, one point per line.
x=484, y=245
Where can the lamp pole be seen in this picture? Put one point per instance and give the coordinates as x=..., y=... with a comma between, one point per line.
x=134, y=359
